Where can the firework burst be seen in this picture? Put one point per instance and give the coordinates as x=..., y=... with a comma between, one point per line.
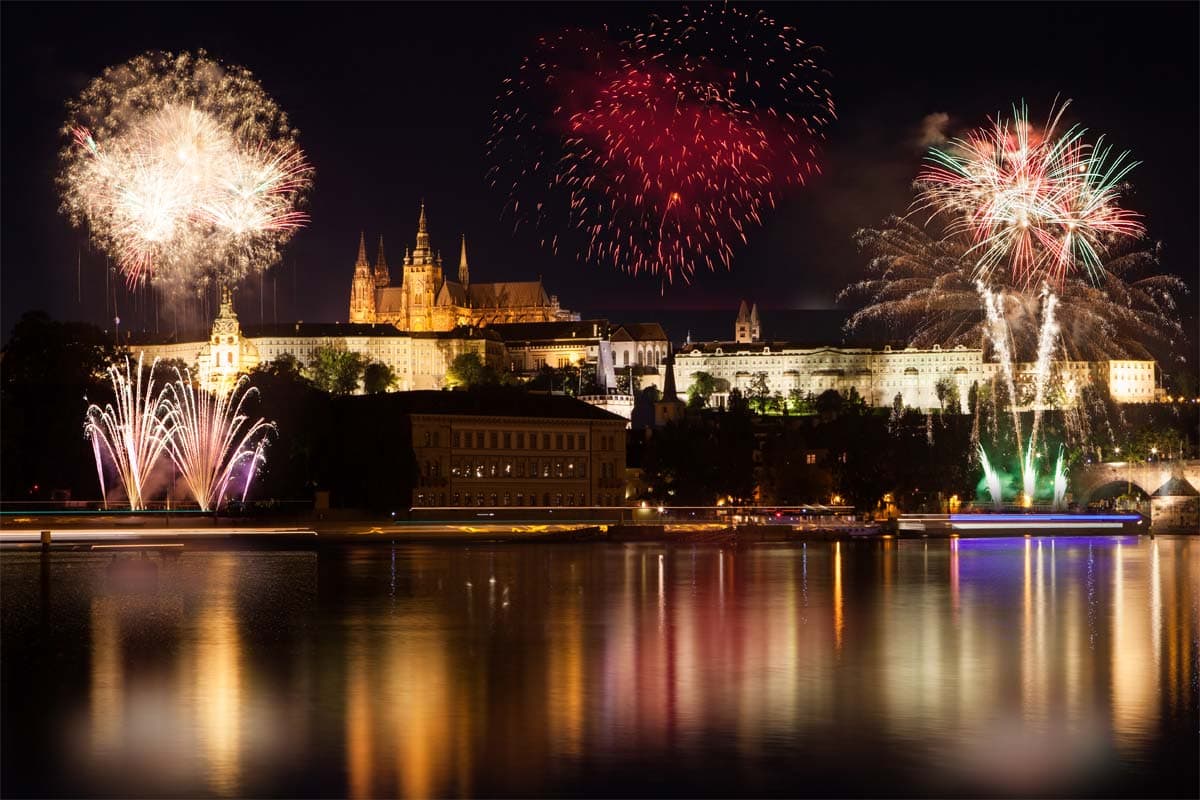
x=128, y=431
x=1042, y=205
x=658, y=153
x=210, y=436
x=184, y=170
x=923, y=290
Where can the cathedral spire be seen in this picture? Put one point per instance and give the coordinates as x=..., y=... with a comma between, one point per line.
x=464, y=274
x=421, y=253
x=382, y=276
x=362, y=250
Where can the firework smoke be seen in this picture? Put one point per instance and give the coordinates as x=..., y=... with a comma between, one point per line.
x=183, y=170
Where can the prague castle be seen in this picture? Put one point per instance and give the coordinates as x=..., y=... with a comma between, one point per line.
x=425, y=300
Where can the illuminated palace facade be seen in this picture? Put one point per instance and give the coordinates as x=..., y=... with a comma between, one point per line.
x=878, y=375
x=418, y=359
x=425, y=300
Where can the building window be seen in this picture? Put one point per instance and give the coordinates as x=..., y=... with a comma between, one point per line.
x=558, y=498
x=559, y=441
x=455, y=439
x=810, y=458
x=521, y=440
x=545, y=441
x=507, y=440
x=492, y=440
x=507, y=499
x=493, y=499
x=479, y=499
x=520, y=498
x=428, y=438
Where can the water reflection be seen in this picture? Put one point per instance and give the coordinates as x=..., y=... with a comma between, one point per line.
x=1010, y=666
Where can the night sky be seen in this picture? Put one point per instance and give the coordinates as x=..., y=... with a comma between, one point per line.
x=393, y=104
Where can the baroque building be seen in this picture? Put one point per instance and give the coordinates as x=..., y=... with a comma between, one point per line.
x=426, y=300
x=880, y=375
x=418, y=359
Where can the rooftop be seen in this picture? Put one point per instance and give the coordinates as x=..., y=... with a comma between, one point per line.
x=490, y=402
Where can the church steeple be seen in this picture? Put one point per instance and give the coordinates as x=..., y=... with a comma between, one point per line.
x=362, y=252
x=362, y=286
x=464, y=274
x=382, y=276
x=421, y=253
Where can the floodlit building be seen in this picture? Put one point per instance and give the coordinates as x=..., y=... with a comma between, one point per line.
x=426, y=300
x=418, y=359
x=510, y=449
x=918, y=376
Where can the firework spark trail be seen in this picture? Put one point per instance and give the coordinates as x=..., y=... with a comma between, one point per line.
x=922, y=289
x=658, y=153
x=184, y=170
x=1043, y=204
x=209, y=436
x=1047, y=340
x=130, y=431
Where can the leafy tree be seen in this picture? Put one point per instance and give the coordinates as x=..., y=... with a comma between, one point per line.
x=758, y=392
x=829, y=403
x=737, y=402
x=285, y=366
x=800, y=402
x=468, y=371
x=702, y=388
x=378, y=377
x=947, y=395
x=336, y=371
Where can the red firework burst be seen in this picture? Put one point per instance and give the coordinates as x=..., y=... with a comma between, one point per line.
x=652, y=155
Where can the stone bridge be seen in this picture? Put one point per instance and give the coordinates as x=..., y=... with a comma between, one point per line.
x=1087, y=479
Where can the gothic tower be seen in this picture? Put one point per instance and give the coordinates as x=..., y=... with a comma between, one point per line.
x=669, y=407
x=382, y=276
x=741, y=327
x=464, y=274
x=755, y=328
x=362, y=287
x=422, y=279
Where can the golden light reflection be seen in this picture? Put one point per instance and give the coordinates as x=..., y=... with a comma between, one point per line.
x=107, y=678
x=838, y=619
x=218, y=681
x=1015, y=661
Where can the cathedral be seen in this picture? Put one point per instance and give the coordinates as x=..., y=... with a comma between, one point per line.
x=425, y=300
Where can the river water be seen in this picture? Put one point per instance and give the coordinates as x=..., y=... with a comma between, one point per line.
x=912, y=667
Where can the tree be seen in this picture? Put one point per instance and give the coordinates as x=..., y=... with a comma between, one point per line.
x=702, y=388
x=468, y=370
x=829, y=403
x=947, y=394
x=378, y=377
x=336, y=371
x=285, y=366
x=800, y=402
x=759, y=392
